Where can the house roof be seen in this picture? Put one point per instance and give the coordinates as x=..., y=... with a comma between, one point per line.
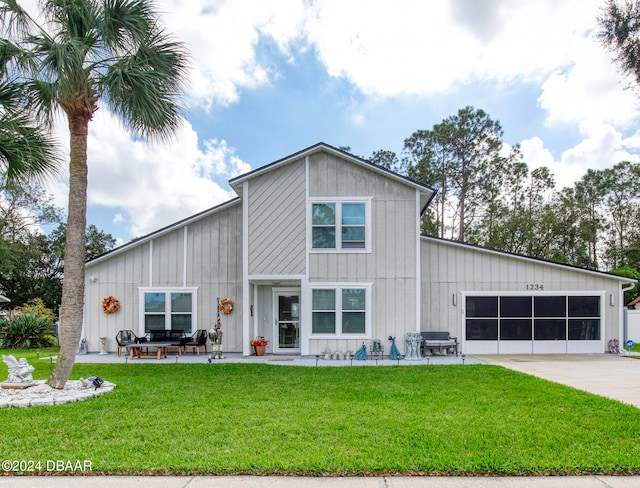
x=624, y=279
x=236, y=183
x=164, y=230
x=4, y=299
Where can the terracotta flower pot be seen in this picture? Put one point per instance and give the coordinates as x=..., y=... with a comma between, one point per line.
x=260, y=350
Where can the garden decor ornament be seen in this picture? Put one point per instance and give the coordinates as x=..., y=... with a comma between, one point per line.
x=20, y=373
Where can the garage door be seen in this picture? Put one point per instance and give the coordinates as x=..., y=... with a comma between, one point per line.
x=532, y=324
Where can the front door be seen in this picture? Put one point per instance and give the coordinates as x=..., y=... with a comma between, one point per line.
x=286, y=308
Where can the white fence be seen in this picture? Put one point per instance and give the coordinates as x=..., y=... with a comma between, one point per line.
x=633, y=325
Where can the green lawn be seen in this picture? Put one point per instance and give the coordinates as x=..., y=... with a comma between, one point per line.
x=260, y=418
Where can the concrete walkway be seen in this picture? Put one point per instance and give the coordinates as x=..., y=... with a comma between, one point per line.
x=608, y=375
x=276, y=359
x=295, y=482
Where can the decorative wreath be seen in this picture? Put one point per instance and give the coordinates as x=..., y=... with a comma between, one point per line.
x=110, y=305
x=226, y=306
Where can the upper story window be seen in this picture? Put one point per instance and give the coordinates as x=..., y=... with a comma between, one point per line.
x=341, y=226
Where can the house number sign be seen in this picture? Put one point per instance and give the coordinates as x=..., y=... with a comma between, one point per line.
x=535, y=286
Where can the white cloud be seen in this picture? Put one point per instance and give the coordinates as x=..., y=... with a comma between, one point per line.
x=602, y=147
x=222, y=37
x=590, y=92
x=417, y=47
x=153, y=185
x=382, y=47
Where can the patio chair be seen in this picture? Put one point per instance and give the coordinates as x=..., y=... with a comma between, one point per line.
x=196, y=341
x=125, y=338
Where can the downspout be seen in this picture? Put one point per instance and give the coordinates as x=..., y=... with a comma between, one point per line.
x=623, y=311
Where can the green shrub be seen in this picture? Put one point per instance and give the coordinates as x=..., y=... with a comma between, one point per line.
x=37, y=307
x=25, y=330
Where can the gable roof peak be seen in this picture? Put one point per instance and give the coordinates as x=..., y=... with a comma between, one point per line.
x=236, y=182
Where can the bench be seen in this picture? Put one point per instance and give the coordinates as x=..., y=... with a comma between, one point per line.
x=438, y=340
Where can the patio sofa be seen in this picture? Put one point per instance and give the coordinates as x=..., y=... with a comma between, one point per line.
x=439, y=341
x=175, y=338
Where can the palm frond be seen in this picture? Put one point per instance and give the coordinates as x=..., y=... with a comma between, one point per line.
x=126, y=23
x=145, y=88
x=26, y=151
x=15, y=20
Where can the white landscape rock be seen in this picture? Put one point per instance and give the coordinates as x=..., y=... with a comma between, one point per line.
x=42, y=394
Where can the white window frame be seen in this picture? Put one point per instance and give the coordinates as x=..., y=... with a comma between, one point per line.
x=338, y=225
x=338, y=287
x=167, y=305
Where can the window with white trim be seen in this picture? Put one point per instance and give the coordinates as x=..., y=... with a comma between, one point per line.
x=340, y=311
x=340, y=225
x=168, y=309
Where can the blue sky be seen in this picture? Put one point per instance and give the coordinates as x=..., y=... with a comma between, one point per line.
x=271, y=78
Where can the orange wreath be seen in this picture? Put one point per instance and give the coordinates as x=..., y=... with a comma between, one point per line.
x=110, y=305
x=226, y=306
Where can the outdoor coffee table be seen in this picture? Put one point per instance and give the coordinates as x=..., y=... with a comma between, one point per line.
x=141, y=350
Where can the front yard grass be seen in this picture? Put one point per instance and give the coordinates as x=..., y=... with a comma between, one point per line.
x=272, y=419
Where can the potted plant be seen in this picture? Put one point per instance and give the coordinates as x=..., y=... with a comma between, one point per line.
x=259, y=345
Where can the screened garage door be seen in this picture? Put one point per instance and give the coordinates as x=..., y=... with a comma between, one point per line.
x=533, y=324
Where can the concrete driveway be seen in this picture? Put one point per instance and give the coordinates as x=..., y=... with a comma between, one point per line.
x=616, y=377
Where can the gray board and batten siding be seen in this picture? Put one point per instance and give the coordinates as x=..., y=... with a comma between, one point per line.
x=391, y=266
x=202, y=253
x=278, y=202
x=276, y=214
x=452, y=271
x=254, y=246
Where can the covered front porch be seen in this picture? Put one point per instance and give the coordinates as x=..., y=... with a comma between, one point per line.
x=275, y=314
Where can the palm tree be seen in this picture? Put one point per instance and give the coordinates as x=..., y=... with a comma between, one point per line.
x=90, y=53
x=26, y=150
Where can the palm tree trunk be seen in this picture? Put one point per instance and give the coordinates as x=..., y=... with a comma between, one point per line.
x=72, y=306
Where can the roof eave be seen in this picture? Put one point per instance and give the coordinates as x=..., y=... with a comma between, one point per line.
x=622, y=279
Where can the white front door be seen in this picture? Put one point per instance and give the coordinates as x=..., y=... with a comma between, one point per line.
x=286, y=311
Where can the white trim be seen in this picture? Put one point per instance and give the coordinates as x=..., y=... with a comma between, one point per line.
x=274, y=277
x=246, y=347
x=533, y=346
x=307, y=221
x=167, y=289
x=527, y=293
x=185, y=241
x=150, y=283
x=293, y=290
x=255, y=311
x=418, y=267
x=305, y=314
x=368, y=249
x=368, y=287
